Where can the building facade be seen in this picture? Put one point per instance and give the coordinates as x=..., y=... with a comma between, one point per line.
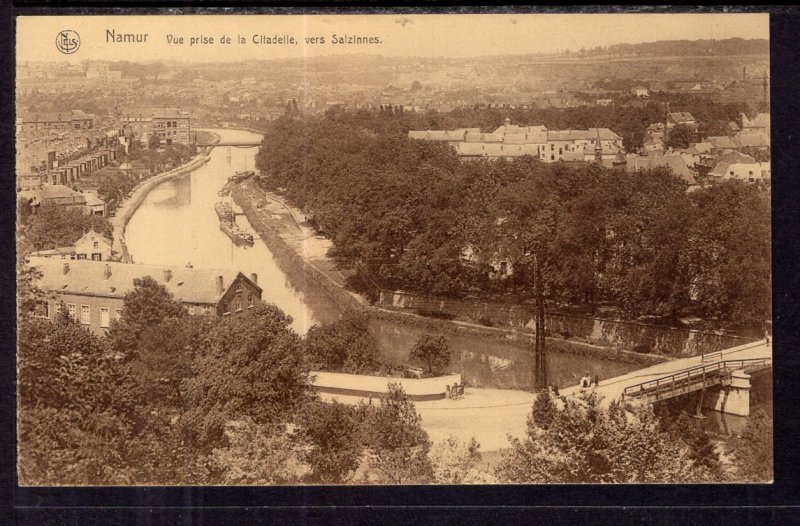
x=93, y=292
x=509, y=141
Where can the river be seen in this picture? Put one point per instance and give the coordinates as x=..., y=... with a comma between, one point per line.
x=176, y=225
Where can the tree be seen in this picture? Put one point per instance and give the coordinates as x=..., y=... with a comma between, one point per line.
x=71, y=426
x=254, y=454
x=731, y=270
x=154, y=142
x=586, y=443
x=248, y=366
x=433, y=352
x=680, y=136
x=397, y=444
x=454, y=462
x=163, y=362
x=753, y=450
x=147, y=305
x=345, y=346
x=332, y=444
x=55, y=226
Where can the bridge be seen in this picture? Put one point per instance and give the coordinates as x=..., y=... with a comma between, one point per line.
x=724, y=374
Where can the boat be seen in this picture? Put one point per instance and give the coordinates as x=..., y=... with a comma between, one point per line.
x=224, y=212
x=237, y=235
x=241, y=176
x=226, y=190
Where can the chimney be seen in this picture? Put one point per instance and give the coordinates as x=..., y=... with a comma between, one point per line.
x=220, y=288
x=107, y=271
x=167, y=275
x=254, y=278
x=66, y=268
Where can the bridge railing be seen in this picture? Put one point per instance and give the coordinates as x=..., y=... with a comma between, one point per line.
x=689, y=379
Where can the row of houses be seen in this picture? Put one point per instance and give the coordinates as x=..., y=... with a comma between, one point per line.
x=509, y=141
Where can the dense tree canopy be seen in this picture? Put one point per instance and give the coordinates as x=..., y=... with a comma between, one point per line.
x=53, y=226
x=407, y=212
x=248, y=366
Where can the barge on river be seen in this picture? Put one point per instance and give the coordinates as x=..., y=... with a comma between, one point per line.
x=227, y=223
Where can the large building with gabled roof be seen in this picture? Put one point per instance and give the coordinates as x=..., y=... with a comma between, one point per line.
x=93, y=292
x=510, y=140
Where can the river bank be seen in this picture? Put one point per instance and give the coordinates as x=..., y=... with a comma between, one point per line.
x=129, y=206
x=297, y=251
x=487, y=356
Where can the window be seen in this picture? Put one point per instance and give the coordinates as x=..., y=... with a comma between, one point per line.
x=238, y=303
x=97, y=256
x=118, y=314
x=226, y=308
x=249, y=299
x=81, y=256
x=71, y=309
x=42, y=309
x=105, y=319
x=206, y=310
x=85, y=315
x=96, y=244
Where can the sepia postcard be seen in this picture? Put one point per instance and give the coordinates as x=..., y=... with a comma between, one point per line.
x=380, y=249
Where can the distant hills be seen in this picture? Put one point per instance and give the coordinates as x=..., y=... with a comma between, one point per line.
x=728, y=46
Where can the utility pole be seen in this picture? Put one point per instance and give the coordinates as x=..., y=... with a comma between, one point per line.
x=539, y=357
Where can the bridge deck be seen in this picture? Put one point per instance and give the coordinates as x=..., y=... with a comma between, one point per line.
x=613, y=388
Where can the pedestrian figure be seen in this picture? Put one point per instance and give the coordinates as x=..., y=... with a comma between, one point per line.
x=766, y=335
x=448, y=391
x=586, y=381
x=596, y=380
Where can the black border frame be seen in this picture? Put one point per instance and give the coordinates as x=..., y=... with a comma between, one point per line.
x=564, y=504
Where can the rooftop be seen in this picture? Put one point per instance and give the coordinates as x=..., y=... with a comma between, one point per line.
x=113, y=279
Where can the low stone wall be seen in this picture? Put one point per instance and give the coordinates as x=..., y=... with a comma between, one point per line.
x=644, y=338
x=416, y=389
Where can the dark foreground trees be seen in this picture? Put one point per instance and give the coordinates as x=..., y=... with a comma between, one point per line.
x=583, y=442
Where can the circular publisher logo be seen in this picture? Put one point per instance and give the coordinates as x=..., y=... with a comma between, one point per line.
x=68, y=41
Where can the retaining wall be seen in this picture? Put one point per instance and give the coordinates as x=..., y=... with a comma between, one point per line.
x=646, y=338
x=416, y=389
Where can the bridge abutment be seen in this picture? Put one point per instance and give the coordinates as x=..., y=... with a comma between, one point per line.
x=732, y=399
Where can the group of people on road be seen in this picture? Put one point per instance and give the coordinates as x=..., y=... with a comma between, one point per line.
x=587, y=381
x=456, y=391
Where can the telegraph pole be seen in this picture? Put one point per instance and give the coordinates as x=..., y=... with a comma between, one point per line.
x=539, y=356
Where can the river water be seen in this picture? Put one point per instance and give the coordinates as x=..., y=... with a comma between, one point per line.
x=176, y=225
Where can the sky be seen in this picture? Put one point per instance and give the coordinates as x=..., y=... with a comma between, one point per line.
x=447, y=35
